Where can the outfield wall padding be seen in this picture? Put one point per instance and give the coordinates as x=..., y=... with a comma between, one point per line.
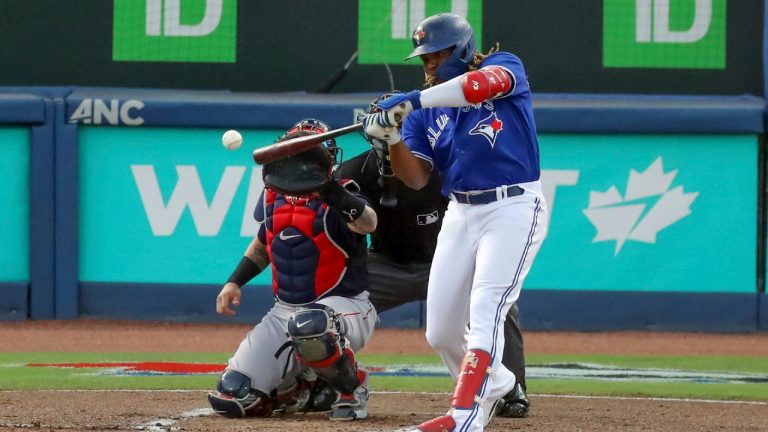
x=63, y=113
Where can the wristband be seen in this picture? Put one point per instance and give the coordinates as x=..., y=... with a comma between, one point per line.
x=244, y=272
x=350, y=206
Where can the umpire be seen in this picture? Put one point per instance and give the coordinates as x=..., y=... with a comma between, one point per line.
x=402, y=247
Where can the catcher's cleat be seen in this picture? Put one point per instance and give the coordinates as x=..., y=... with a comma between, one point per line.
x=352, y=406
x=444, y=423
x=321, y=397
x=294, y=398
x=514, y=404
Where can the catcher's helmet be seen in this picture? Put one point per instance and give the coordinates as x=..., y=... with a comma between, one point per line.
x=318, y=126
x=301, y=173
x=442, y=31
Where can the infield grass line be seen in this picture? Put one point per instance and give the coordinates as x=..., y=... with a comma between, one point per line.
x=535, y=395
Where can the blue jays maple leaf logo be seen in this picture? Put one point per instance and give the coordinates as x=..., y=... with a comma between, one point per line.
x=418, y=35
x=489, y=128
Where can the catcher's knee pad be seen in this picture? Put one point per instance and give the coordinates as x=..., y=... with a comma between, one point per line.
x=235, y=397
x=318, y=336
x=316, y=332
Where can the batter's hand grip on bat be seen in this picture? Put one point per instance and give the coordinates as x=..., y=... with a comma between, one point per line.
x=287, y=148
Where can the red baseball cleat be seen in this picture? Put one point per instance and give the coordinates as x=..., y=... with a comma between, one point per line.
x=444, y=423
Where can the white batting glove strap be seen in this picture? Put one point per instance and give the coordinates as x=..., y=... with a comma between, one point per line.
x=397, y=114
x=400, y=105
x=379, y=126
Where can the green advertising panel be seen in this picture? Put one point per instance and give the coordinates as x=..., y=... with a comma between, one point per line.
x=14, y=202
x=384, y=28
x=164, y=205
x=664, y=34
x=649, y=213
x=175, y=31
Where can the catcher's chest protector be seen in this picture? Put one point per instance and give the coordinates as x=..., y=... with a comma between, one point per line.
x=306, y=263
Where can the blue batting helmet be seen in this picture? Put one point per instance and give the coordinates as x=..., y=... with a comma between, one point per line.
x=442, y=31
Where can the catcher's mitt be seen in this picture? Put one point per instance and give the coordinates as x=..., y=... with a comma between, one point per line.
x=301, y=173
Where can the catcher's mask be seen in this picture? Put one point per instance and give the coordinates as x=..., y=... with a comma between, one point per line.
x=318, y=126
x=302, y=173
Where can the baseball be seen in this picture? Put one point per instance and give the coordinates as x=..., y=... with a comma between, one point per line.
x=232, y=139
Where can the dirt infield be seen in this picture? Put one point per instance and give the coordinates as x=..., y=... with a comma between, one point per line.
x=187, y=410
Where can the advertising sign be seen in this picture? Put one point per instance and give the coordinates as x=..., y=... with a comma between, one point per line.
x=384, y=28
x=14, y=202
x=678, y=47
x=664, y=34
x=170, y=205
x=649, y=213
x=172, y=30
x=639, y=212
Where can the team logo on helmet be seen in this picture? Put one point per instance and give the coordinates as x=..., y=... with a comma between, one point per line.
x=418, y=35
x=489, y=128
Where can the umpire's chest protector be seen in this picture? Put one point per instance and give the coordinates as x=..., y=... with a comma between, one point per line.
x=306, y=262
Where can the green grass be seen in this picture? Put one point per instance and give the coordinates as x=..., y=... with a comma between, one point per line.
x=15, y=376
x=56, y=357
x=736, y=364
x=747, y=392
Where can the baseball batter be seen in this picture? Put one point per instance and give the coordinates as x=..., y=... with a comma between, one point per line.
x=475, y=126
x=312, y=233
x=402, y=247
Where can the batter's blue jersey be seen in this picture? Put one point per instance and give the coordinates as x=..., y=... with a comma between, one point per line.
x=480, y=146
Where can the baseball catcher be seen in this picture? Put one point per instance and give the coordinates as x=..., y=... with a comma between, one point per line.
x=312, y=236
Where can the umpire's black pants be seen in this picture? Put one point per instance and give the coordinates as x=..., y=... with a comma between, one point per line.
x=393, y=284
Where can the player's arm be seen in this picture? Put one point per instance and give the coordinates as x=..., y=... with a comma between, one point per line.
x=366, y=224
x=471, y=88
x=359, y=217
x=412, y=170
x=254, y=261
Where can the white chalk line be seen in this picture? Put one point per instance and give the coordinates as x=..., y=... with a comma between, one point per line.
x=166, y=424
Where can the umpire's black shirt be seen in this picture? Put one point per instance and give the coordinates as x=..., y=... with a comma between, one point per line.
x=407, y=232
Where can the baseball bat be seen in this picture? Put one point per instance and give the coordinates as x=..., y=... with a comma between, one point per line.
x=287, y=148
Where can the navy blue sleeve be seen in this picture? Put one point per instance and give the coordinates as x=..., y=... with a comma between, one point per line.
x=258, y=211
x=337, y=226
x=258, y=215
